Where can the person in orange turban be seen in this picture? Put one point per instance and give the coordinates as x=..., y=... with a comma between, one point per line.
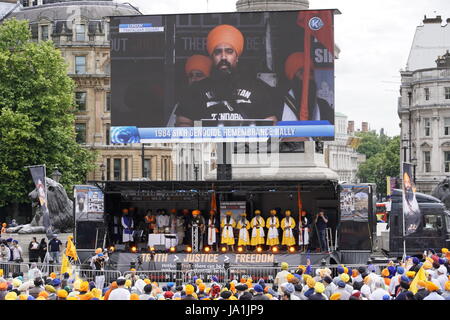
x=227, y=94
x=225, y=34
x=197, y=67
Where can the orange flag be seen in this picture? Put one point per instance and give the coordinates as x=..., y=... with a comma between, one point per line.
x=318, y=24
x=213, y=201
x=299, y=202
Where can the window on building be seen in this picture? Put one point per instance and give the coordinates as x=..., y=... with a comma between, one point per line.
x=447, y=161
x=147, y=168
x=447, y=92
x=117, y=169
x=427, y=94
x=80, y=32
x=80, y=64
x=108, y=101
x=427, y=126
x=447, y=126
x=126, y=169
x=427, y=161
x=108, y=169
x=44, y=32
x=80, y=129
x=108, y=134
x=80, y=100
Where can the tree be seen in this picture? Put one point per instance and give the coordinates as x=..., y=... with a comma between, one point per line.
x=36, y=114
x=383, y=159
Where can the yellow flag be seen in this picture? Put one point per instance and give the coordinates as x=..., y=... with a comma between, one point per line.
x=66, y=266
x=419, y=276
x=71, y=251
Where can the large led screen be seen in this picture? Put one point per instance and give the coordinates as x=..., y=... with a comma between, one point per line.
x=222, y=76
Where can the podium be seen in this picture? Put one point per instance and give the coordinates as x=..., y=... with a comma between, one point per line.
x=162, y=239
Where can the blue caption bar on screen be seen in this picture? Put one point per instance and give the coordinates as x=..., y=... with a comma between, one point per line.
x=135, y=135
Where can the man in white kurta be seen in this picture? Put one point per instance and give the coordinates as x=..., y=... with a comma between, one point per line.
x=303, y=232
x=127, y=225
x=162, y=221
x=212, y=230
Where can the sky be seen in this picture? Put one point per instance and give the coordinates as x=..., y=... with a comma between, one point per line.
x=374, y=37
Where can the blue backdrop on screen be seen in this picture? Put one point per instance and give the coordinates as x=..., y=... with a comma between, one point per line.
x=232, y=70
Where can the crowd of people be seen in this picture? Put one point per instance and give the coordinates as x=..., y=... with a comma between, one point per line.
x=413, y=279
x=12, y=251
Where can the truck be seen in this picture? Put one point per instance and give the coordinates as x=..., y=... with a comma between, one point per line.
x=433, y=231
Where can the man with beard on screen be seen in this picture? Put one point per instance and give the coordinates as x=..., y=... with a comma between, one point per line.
x=227, y=94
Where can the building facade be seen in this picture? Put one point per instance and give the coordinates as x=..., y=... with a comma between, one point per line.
x=340, y=154
x=80, y=30
x=424, y=105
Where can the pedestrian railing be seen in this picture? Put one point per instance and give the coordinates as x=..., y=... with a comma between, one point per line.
x=159, y=276
x=10, y=268
x=266, y=273
x=206, y=275
x=180, y=275
x=90, y=274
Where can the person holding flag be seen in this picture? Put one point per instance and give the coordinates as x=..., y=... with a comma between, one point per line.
x=70, y=256
x=303, y=235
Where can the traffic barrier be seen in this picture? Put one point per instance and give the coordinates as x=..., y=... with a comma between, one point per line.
x=159, y=276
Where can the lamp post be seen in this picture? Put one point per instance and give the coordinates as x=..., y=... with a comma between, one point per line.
x=196, y=167
x=404, y=147
x=102, y=169
x=56, y=175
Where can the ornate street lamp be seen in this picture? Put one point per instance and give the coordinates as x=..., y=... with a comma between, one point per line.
x=56, y=175
x=102, y=169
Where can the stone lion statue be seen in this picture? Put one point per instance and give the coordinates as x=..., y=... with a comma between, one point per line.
x=60, y=208
x=442, y=192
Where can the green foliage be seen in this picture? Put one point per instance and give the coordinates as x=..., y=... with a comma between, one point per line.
x=383, y=159
x=36, y=114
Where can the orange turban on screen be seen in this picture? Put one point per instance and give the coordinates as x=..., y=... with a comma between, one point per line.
x=293, y=63
x=198, y=62
x=225, y=34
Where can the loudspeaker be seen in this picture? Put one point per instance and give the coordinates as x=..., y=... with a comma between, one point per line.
x=224, y=171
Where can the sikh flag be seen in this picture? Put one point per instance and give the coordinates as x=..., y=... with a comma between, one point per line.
x=419, y=276
x=318, y=24
x=299, y=201
x=213, y=201
x=66, y=266
x=71, y=251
